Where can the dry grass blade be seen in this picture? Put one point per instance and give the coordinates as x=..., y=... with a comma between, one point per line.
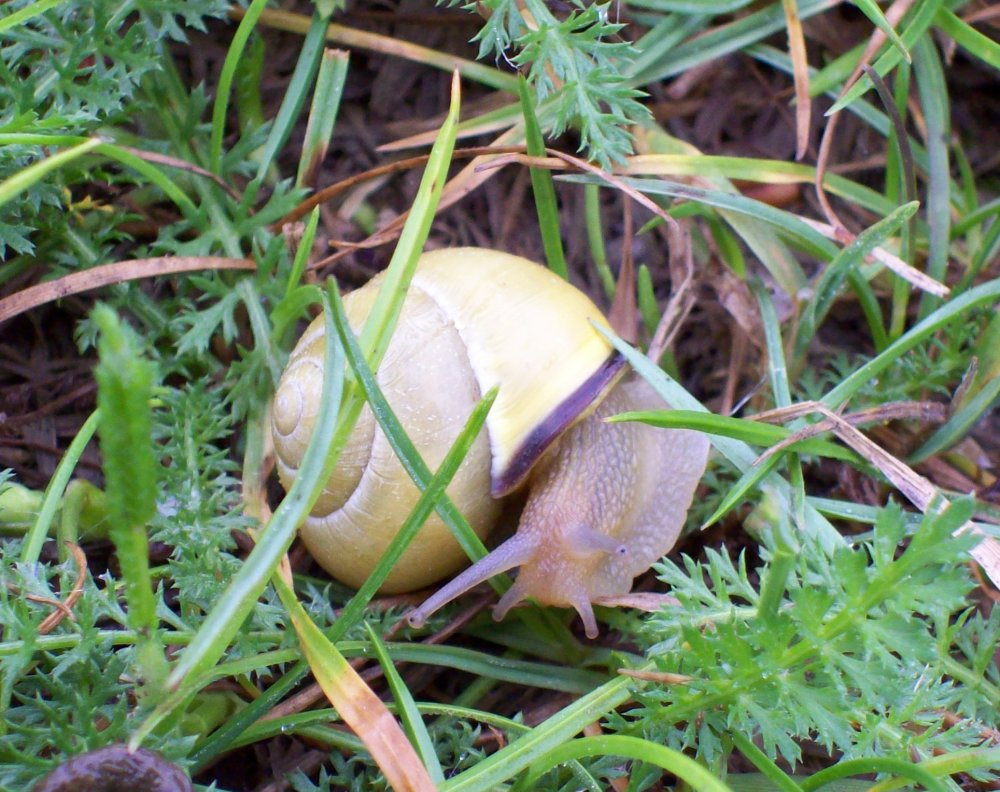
x=64, y=610
x=183, y=165
x=914, y=487
x=910, y=274
x=893, y=16
x=682, y=296
x=800, y=74
x=106, y=274
x=647, y=601
x=464, y=182
x=332, y=191
x=660, y=677
x=354, y=701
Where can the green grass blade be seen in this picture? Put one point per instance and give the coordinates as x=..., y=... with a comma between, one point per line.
x=226, y=79
x=542, y=186
x=933, y=92
x=968, y=38
x=222, y=623
x=25, y=178
x=323, y=114
x=54, y=490
x=752, y=432
x=152, y=174
x=984, y=294
x=724, y=40
x=763, y=762
x=525, y=750
x=595, y=237
x=296, y=92
x=917, y=23
x=433, y=486
x=28, y=12
x=871, y=10
x=788, y=224
x=413, y=723
x=777, y=369
x=873, y=764
x=382, y=318
x=850, y=257
x=696, y=775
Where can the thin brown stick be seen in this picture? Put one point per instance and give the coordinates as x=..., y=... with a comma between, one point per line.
x=64, y=609
x=106, y=274
x=333, y=190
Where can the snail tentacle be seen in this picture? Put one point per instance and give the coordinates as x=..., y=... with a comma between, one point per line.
x=516, y=551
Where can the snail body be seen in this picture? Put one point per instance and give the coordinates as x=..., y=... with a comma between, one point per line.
x=604, y=500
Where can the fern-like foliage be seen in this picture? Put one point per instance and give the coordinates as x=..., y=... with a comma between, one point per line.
x=858, y=648
x=575, y=65
x=76, y=68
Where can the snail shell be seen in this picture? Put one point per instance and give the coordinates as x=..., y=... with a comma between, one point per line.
x=605, y=500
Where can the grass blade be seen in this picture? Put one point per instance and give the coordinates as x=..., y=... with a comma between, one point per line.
x=542, y=186
x=413, y=723
x=356, y=703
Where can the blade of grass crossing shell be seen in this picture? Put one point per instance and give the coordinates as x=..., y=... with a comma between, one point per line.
x=411, y=460
x=933, y=93
x=542, y=186
x=382, y=318
x=696, y=775
x=413, y=723
x=356, y=703
x=241, y=594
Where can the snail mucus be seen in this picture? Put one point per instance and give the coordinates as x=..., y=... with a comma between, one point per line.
x=604, y=501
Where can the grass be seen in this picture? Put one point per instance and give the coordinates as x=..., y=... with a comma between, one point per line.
x=828, y=629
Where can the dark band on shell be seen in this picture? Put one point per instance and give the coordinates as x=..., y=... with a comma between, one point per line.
x=558, y=421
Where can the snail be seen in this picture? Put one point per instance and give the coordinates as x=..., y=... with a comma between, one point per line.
x=604, y=502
